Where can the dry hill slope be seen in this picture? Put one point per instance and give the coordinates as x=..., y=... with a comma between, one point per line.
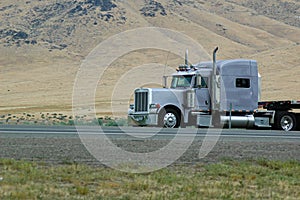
x=43, y=43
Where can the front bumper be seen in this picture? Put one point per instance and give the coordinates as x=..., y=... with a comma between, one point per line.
x=143, y=119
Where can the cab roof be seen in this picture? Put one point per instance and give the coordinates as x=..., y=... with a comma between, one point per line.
x=225, y=67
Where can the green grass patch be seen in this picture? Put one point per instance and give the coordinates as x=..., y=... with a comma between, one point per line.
x=259, y=179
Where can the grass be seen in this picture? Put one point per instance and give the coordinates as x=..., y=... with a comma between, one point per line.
x=260, y=179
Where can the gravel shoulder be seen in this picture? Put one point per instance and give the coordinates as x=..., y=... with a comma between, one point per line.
x=62, y=149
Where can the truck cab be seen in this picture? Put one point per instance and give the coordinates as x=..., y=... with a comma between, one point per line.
x=190, y=93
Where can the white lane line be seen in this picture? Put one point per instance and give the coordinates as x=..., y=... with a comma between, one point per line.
x=138, y=135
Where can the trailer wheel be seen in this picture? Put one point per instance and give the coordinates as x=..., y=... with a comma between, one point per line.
x=286, y=121
x=169, y=118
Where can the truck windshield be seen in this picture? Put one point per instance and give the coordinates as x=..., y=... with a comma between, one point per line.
x=181, y=81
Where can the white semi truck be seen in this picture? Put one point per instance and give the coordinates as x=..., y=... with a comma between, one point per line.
x=223, y=93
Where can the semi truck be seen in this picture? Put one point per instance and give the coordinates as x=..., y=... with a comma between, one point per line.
x=217, y=93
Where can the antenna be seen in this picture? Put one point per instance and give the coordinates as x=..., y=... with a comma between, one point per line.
x=164, y=76
x=166, y=63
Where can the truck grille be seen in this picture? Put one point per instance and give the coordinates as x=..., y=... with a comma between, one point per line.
x=141, y=101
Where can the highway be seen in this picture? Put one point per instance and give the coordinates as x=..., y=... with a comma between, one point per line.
x=60, y=144
x=114, y=132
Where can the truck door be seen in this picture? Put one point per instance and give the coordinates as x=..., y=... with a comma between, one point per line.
x=202, y=93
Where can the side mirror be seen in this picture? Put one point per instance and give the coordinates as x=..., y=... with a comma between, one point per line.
x=198, y=81
x=165, y=81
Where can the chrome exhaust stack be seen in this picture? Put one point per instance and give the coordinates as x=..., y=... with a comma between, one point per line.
x=186, y=60
x=214, y=81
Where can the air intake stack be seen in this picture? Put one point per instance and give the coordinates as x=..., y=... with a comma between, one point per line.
x=214, y=106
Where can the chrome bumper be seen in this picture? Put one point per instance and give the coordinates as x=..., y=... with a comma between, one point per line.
x=143, y=119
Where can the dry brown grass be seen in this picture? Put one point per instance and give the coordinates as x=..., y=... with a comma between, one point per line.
x=34, y=79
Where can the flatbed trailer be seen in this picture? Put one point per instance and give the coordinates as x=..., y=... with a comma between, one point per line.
x=280, y=105
x=286, y=114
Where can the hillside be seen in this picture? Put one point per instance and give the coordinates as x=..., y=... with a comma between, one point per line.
x=43, y=43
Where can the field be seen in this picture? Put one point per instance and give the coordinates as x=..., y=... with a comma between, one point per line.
x=43, y=44
x=256, y=179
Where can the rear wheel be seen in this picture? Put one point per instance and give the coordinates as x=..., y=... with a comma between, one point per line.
x=169, y=118
x=286, y=121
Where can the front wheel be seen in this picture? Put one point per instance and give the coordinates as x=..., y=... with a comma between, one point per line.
x=286, y=121
x=169, y=118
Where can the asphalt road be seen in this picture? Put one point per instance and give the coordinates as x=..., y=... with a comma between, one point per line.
x=61, y=144
x=71, y=131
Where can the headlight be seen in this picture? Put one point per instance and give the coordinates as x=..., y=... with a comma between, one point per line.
x=131, y=109
x=154, y=107
x=131, y=106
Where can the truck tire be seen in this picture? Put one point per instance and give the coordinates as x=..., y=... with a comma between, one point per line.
x=169, y=118
x=286, y=121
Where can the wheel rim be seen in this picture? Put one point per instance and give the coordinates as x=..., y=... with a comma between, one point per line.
x=170, y=120
x=286, y=123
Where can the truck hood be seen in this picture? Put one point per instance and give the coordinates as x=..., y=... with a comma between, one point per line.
x=165, y=96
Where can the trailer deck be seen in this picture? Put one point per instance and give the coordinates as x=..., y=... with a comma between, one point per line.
x=280, y=105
